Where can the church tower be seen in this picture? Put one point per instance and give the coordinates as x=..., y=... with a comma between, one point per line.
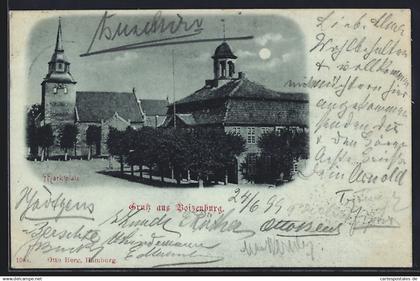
x=58, y=88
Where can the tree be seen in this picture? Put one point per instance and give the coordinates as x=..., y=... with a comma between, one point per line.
x=300, y=145
x=206, y=152
x=278, y=154
x=115, y=144
x=180, y=156
x=230, y=147
x=68, y=138
x=93, y=137
x=32, y=139
x=212, y=150
x=202, y=157
x=45, y=139
x=172, y=152
x=129, y=143
x=164, y=144
x=147, y=148
x=141, y=140
x=31, y=130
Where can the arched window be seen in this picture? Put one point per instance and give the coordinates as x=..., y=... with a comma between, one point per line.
x=223, y=70
x=231, y=68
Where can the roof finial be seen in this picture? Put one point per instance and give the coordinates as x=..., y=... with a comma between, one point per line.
x=59, y=41
x=224, y=35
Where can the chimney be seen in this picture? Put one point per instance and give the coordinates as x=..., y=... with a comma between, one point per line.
x=212, y=83
x=241, y=75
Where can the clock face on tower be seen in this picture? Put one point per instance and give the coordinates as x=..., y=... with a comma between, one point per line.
x=60, y=87
x=59, y=102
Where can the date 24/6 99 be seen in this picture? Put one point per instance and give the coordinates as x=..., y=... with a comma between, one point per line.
x=251, y=202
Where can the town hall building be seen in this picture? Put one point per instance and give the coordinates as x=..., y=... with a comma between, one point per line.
x=239, y=105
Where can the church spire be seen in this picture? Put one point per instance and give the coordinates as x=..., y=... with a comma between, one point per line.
x=59, y=41
x=58, y=55
x=59, y=66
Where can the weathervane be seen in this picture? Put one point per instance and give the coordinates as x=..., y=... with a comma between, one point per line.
x=224, y=32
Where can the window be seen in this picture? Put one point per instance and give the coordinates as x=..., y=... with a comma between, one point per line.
x=279, y=129
x=265, y=130
x=251, y=135
x=294, y=129
x=65, y=90
x=60, y=66
x=55, y=90
x=295, y=166
x=236, y=131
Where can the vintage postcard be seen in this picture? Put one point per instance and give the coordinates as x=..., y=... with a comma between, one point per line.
x=210, y=138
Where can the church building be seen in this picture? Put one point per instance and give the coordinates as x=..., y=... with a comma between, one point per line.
x=63, y=104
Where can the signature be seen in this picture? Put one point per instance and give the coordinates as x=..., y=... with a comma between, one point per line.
x=48, y=239
x=43, y=234
x=364, y=214
x=169, y=30
x=203, y=221
x=296, y=228
x=131, y=218
x=64, y=207
x=277, y=247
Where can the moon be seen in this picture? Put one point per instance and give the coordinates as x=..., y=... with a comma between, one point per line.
x=265, y=54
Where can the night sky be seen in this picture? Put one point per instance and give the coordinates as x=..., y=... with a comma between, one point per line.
x=275, y=54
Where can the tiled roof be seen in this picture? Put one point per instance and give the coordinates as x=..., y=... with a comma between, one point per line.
x=97, y=106
x=188, y=119
x=58, y=56
x=64, y=77
x=241, y=88
x=242, y=102
x=154, y=121
x=154, y=107
x=264, y=112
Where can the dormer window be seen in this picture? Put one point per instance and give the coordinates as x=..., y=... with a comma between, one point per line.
x=60, y=66
x=55, y=90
